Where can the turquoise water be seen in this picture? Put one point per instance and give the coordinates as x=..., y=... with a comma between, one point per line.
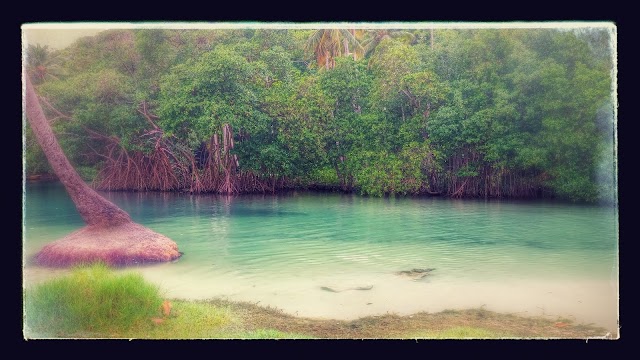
x=537, y=258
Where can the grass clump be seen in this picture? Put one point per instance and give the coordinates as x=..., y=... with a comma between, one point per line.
x=267, y=334
x=461, y=332
x=91, y=301
x=189, y=320
x=95, y=302
x=205, y=320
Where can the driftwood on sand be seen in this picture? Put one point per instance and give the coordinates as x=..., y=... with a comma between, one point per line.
x=336, y=289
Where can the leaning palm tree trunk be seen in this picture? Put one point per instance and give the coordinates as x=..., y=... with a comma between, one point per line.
x=110, y=235
x=94, y=209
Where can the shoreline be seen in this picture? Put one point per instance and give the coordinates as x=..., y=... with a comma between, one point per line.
x=587, y=302
x=420, y=325
x=410, y=323
x=315, y=188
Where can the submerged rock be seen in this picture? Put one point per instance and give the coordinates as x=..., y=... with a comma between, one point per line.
x=415, y=274
x=341, y=289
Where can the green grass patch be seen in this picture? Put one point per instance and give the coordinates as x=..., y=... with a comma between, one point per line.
x=203, y=320
x=189, y=320
x=460, y=332
x=95, y=302
x=91, y=301
x=269, y=334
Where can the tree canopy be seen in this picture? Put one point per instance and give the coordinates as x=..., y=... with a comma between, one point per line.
x=456, y=112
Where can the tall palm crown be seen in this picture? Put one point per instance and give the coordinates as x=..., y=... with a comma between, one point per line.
x=42, y=63
x=327, y=44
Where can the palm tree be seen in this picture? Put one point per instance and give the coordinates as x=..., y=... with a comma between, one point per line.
x=42, y=63
x=327, y=44
x=110, y=235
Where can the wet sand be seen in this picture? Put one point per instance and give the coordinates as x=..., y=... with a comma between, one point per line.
x=588, y=302
x=582, y=301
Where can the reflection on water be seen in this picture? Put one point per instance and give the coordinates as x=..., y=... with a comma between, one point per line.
x=281, y=250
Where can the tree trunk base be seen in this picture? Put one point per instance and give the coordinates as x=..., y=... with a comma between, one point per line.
x=122, y=245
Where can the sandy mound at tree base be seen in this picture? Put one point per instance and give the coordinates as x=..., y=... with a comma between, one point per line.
x=125, y=244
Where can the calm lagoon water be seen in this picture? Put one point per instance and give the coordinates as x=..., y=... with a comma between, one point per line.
x=528, y=258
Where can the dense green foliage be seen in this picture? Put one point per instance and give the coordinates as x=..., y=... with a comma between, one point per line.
x=463, y=113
